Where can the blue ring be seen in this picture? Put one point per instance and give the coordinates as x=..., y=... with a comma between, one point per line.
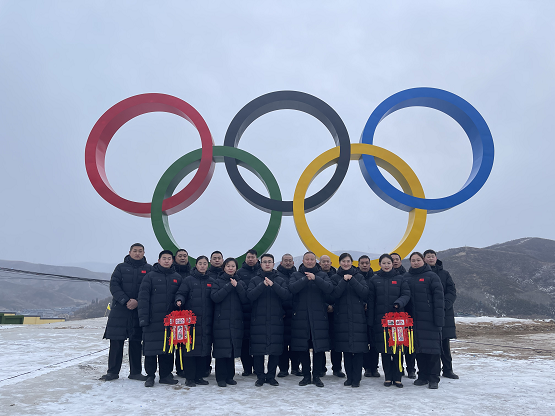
x=458, y=109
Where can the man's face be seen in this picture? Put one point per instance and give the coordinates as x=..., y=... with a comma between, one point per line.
x=309, y=260
x=364, y=265
x=325, y=263
x=267, y=264
x=251, y=259
x=165, y=261
x=137, y=253
x=287, y=261
x=430, y=259
x=216, y=260
x=182, y=258
x=396, y=261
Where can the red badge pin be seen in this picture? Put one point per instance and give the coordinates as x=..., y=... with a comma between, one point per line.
x=175, y=280
x=421, y=280
x=208, y=284
x=143, y=271
x=394, y=282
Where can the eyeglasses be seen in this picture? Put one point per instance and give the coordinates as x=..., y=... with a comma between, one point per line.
x=267, y=262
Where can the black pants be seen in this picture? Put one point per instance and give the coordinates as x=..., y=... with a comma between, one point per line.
x=285, y=357
x=410, y=360
x=446, y=359
x=258, y=361
x=165, y=365
x=353, y=366
x=317, y=359
x=246, y=358
x=194, y=367
x=225, y=368
x=428, y=367
x=390, y=364
x=336, y=358
x=371, y=359
x=115, y=356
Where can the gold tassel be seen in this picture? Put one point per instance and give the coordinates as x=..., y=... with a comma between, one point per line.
x=395, y=340
x=385, y=340
x=194, y=337
x=188, y=345
x=180, y=358
x=165, y=338
x=400, y=363
x=171, y=342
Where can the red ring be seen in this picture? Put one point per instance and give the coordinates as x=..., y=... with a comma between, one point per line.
x=110, y=122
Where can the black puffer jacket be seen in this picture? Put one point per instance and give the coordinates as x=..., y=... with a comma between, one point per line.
x=285, y=274
x=385, y=290
x=310, y=315
x=155, y=302
x=246, y=273
x=183, y=270
x=426, y=308
x=331, y=271
x=449, y=295
x=126, y=279
x=194, y=294
x=401, y=270
x=349, y=316
x=228, y=315
x=267, y=313
x=214, y=272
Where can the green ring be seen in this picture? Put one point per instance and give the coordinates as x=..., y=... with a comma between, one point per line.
x=185, y=165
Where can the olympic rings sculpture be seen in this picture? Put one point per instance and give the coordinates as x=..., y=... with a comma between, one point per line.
x=370, y=157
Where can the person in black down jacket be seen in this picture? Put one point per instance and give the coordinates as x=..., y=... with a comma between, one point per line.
x=285, y=270
x=229, y=295
x=351, y=333
x=267, y=293
x=310, y=287
x=155, y=302
x=183, y=267
x=194, y=295
x=388, y=292
x=336, y=356
x=216, y=264
x=397, y=264
x=123, y=321
x=410, y=359
x=248, y=270
x=371, y=358
x=426, y=308
x=450, y=295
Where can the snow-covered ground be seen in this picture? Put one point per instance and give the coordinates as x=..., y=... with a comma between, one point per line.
x=54, y=369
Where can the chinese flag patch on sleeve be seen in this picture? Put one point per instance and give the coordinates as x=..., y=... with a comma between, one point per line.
x=208, y=284
x=394, y=282
x=175, y=280
x=421, y=280
x=143, y=271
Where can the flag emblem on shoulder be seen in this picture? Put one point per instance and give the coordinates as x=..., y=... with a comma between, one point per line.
x=143, y=271
x=421, y=280
x=208, y=284
x=175, y=280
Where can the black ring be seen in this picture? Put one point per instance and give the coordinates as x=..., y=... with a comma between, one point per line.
x=288, y=100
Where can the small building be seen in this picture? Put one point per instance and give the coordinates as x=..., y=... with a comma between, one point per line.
x=12, y=318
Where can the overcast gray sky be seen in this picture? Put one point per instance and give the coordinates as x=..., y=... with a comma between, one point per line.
x=64, y=63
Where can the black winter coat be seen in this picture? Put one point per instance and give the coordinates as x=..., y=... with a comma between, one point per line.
x=194, y=294
x=285, y=274
x=214, y=272
x=125, y=282
x=310, y=315
x=155, y=302
x=267, y=313
x=349, y=316
x=385, y=290
x=449, y=295
x=228, y=315
x=426, y=308
x=183, y=270
x=401, y=270
x=246, y=273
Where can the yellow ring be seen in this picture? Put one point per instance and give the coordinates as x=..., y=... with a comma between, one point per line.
x=385, y=159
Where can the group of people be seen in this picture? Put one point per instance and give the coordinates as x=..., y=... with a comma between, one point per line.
x=258, y=310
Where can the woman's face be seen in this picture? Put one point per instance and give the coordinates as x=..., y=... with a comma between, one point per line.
x=346, y=263
x=202, y=265
x=386, y=264
x=416, y=262
x=230, y=268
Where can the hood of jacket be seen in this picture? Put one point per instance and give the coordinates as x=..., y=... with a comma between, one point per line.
x=134, y=263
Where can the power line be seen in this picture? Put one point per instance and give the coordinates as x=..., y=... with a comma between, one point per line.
x=25, y=274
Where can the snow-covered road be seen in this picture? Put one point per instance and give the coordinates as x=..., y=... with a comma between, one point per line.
x=54, y=369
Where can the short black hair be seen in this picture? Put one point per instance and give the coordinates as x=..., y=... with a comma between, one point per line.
x=253, y=251
x=229, y=260
x=345, y=255
x=364, y=256
x=137, y=245
x=216, y=252
x=430, y=251
x=202, y=257
x=416, y=253
x=181, y=249
x=386, y=256
x=164, y=252
x=267, y=255
x=396, y=254
x=309, y=252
